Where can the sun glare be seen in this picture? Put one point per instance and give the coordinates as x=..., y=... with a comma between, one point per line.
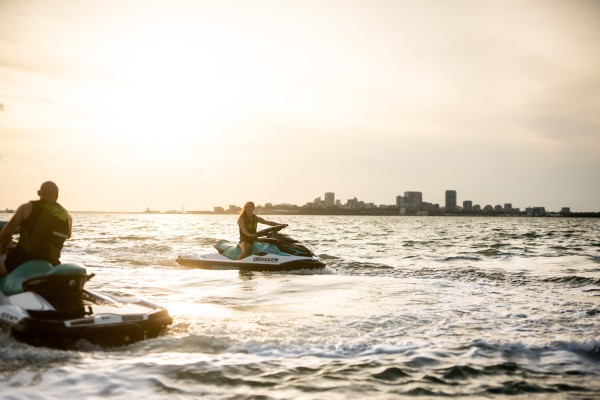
x=168, y=92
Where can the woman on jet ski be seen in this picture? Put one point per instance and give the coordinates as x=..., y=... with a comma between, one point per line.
x=247, y=223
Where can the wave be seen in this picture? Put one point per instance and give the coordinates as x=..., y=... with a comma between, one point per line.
x=360, y=268
x=458, y=258
x=502, y=369
x=467, y=273
x=17, y=355
x=589, y=348
x=574, y=280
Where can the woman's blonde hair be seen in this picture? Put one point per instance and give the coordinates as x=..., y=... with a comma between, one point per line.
x=243, y=213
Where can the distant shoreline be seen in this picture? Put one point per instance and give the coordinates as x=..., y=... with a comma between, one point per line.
x=359, y=213
x=374, y=213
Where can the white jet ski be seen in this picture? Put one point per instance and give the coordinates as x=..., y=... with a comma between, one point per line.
x=272, y=251
x=45, y=305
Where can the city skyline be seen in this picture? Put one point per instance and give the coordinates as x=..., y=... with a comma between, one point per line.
x=330, y=200
x=410, y=198
x=414, y=198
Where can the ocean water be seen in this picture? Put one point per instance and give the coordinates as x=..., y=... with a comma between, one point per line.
x=408, y=307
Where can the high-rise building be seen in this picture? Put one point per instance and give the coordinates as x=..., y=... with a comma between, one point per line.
x=413, y=198
x=329, y=199
x=467, y=205
x=450, y=199
x=409, y=203
x=399, y=201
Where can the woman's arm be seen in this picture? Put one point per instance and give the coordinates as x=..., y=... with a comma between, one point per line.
x=264, y=221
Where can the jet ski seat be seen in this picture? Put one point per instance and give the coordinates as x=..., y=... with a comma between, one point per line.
x=259, y=247
x=12, y=283
x=228, y=249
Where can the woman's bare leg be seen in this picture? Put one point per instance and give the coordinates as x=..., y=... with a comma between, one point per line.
x=245, y=246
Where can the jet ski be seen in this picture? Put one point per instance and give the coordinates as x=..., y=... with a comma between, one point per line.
x=45, y=305
x=271, y=251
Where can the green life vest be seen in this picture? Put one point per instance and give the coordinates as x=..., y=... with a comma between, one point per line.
x=250, y=223
x=44, y=231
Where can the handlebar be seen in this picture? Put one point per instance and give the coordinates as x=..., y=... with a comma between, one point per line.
x=268, y=231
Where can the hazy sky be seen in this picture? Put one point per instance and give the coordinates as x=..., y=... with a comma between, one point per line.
x=163, y=104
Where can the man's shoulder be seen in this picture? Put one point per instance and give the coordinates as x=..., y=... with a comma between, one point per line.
x=25, y=207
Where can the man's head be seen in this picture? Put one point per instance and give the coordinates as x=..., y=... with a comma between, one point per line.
x=48, y=191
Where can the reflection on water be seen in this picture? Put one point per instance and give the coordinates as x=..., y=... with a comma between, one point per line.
x=483, y=307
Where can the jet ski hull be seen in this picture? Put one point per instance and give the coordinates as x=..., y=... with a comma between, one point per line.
x=35, y=312
x=116, y=324
x=252, y=263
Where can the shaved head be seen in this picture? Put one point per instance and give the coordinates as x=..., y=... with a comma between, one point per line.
x=48, y=191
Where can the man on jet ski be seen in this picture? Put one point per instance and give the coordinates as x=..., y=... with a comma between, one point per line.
x=44, y=225
x=247, y=222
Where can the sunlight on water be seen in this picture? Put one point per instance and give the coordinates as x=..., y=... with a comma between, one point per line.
x=484, y=307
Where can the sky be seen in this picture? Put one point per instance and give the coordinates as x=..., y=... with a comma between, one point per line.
x=175, y=104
